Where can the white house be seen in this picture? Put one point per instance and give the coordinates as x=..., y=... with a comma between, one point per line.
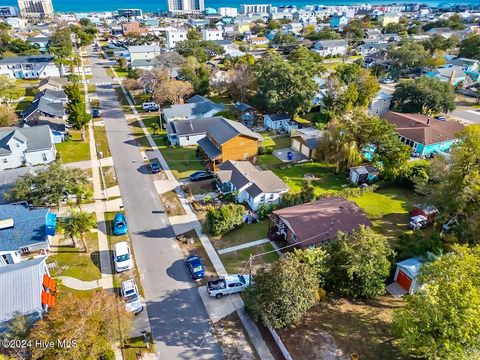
x=16, y=22
x=39, y=40
x=175, y=36
x=406, y=274
x=279, y=122
x=29, y=145
x=380, y=104
x=228, y=11
x=29, y=67
x=331, y=47
x=212, y=34
x=143, y=52
x=252, y=186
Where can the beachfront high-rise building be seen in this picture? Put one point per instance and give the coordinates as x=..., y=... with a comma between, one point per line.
x=182, y=7
x=255, y=8
x=8, y=11
x=35, y=8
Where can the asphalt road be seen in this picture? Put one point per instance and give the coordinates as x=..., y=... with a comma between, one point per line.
x=177, y=316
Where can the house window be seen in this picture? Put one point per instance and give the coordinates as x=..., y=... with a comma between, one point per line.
x=18, y=145
x=44, y=157
x=5, y=160
x=188, y=138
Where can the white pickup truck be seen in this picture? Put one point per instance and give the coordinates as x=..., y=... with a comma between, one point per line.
x=227, y=285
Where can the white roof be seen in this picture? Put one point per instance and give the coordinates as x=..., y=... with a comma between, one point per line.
x=411, y=267
x=21, y=288
x=143, y=48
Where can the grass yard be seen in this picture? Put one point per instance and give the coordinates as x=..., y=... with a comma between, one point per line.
x=123, y=100
x=325, y=180
x=357, y=326
x=275, y=141
x=75, y=149
x=388, y=210
x=74, y=262
x=110, y=177
x=133, y=348
x=236, y=262
x=101, y=140
x=140, y=137
x=269, y=162
x=219, y=99
x=172, y=204
x=121, y=73
x=91, y=88
x=244, y=234
x=183, y=161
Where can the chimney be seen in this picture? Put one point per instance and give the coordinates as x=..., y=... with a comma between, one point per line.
x=428, y=121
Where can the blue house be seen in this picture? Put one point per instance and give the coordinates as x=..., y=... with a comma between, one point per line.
x=424, y=134
x=449, y=73
x=24, y=230
x=338, y=21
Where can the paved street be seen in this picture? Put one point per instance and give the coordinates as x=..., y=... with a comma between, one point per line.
x=178, y=318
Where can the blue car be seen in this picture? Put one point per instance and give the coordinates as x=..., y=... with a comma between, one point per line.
x=119, y=224
x=154, y=167
x=195, y=267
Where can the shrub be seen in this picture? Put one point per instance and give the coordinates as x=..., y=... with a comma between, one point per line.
x=358, y=191
x=265, y=209
x=224, y=218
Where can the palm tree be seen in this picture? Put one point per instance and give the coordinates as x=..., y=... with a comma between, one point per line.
x=77, y=225
x=155, y=128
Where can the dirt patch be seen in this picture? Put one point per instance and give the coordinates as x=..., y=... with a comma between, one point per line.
x=200, y=187
x=338, y=328
x=172, y=204
x=233, y=340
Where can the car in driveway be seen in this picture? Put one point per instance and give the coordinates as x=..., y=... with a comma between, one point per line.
x=150, y=106
x=131, y=296
x=387, y=81
x=227, y=285
x=201, y=175
x=195, y=267
x=120, y=226
x=122, y=257
x=154, y=166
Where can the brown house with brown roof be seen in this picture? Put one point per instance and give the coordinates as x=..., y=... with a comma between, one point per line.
x=425, y=134
x=316, y=223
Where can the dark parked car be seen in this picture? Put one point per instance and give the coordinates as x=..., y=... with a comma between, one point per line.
x=441, y=118
x=154, y=166
x=96, y=112
x=201, y=175
x=195, y=267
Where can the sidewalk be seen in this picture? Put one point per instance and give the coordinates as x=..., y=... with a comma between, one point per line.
x=256, y=338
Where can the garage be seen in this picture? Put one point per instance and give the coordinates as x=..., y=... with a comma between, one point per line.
x=305, y=150
x=296, y=145
x=404, y=280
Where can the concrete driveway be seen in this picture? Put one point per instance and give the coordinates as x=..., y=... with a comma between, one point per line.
x=178, y=319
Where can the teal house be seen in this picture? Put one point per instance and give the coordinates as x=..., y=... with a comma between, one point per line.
x=424, y=134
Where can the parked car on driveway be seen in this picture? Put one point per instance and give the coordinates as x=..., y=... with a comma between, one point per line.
x=119, y=224
x=154, y=166
x=96, y=112
x=131, y=296
x=201, y=175
x=441, y=118
x=122, y=257
x=230, y=284
x=150, y=106
x=195, y=267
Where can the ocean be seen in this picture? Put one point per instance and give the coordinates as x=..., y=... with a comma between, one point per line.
x=156, y=5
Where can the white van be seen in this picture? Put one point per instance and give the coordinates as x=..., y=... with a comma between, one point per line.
x=150, y=106
x=122, y=257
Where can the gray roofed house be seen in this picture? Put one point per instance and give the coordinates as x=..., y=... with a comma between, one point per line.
x=53, y=83
x=197, y=107
x=27, y=145
x=24, y=291
x=213, y=136
x=331, y=47
x=255, y=187
x=29, y=67
x=48, y=103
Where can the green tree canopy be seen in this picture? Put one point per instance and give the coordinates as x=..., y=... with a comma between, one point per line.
x=77, y=113
x=424, y=95
x=224, y=218
x=308, y=60
x=283, y=86
x=281, y=295
x=441, y=320
x=408, y=56
x=77, y=225
x=48, y=186
x=470, y=47
x=324, y=34
x=9, y=90
x=358, y=264
x=197, y=74
x=200, y=49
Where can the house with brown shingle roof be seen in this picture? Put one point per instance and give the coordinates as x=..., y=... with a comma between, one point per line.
x=425, y=134
x=316, y=223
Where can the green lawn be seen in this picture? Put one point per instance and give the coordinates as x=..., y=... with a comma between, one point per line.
x=269, y=162
x=183, y=161
x=121, y=73
x=74, y=262
x=219, y=99
x=277, y=141
x=123, y=100
x=244, y=234
x=388, y=210
x=75, y=149
x=91, y=88
x=326, y=180
x=101, y=140
x=133, y=348
x=237, y=262
x=110, y=177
